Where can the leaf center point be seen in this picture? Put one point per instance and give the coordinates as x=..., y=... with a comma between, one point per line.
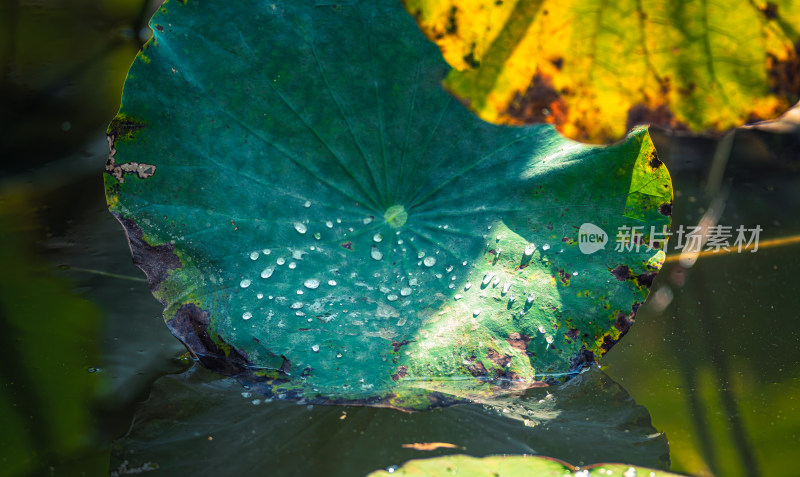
x=396, y=216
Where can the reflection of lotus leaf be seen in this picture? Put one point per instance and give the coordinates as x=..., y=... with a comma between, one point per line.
x=598, y=419
x=321, y=219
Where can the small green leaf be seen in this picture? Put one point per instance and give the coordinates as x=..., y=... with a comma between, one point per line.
x=322, y=220
x=513, y=465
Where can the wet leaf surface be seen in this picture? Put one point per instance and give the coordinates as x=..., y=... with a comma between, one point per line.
x=596, y=68
x=227, y=430
x=323, y=221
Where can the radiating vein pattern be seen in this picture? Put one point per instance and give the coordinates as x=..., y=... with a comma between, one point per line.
x=329, y=224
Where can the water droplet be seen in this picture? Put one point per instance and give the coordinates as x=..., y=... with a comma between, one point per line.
x=247, y=315
x=545, y=247
x=497, y=254
x=510, y=298
x=315, y=348
x=574, y=274
x=420, y=254
x=467, y=286
x=429, y=261
x=476, y=312
x=541, y=329
x=449, y=269
x=311, y=283
x=530, y=298
x=488, y=277
x=451, y=286
x=307, y=204
x=464, y=263
x=329, y=224
x=506, y=287
x=260, y=296
x=549, y=339
x=300, y=227
x=280, y=261
x=377, y=237
x=296, y=305
x=266, y=251
x=392, y=297
x=338, y=355
x=499, y=237
x=529, y=249
x=458, y=297
x=292, y=265
x=375, y=253
x=297, y=254
x=317, y=236
x=405, y=291
x=400, y=242
x=332, y=283
x=496, y=281
x=244, y=283
x=253, y=255
x=267, y=272
x=368, y=220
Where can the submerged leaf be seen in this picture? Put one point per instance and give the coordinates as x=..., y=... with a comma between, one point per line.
x=594, y=69
x=322, y=220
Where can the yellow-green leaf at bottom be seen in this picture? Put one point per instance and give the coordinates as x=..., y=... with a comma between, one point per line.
x=514, y=465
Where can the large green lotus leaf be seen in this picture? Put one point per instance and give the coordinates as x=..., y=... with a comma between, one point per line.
x=321, y=219
x=197, y=423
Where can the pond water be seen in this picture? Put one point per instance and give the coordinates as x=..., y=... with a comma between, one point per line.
x=707, y=382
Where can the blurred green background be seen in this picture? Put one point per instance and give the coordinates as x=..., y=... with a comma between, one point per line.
x=713, y=356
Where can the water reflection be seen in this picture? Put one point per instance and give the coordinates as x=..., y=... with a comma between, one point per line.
x=227, y=430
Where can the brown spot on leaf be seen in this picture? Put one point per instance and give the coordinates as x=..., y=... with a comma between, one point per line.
x=665, y=209
x=646, y=279
x=190, y=325
x=396, y=346
x=581, y=359
x=655, y=162
x=621, y=272
x=540, y=103
x=477, y=369
x=518, y=341
x=623, y=322
x=452, y=24
x=770, y=11
x=348, y=245
x=155, y=261
x=500, y=360
x=784, y=75
x=401, y=373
